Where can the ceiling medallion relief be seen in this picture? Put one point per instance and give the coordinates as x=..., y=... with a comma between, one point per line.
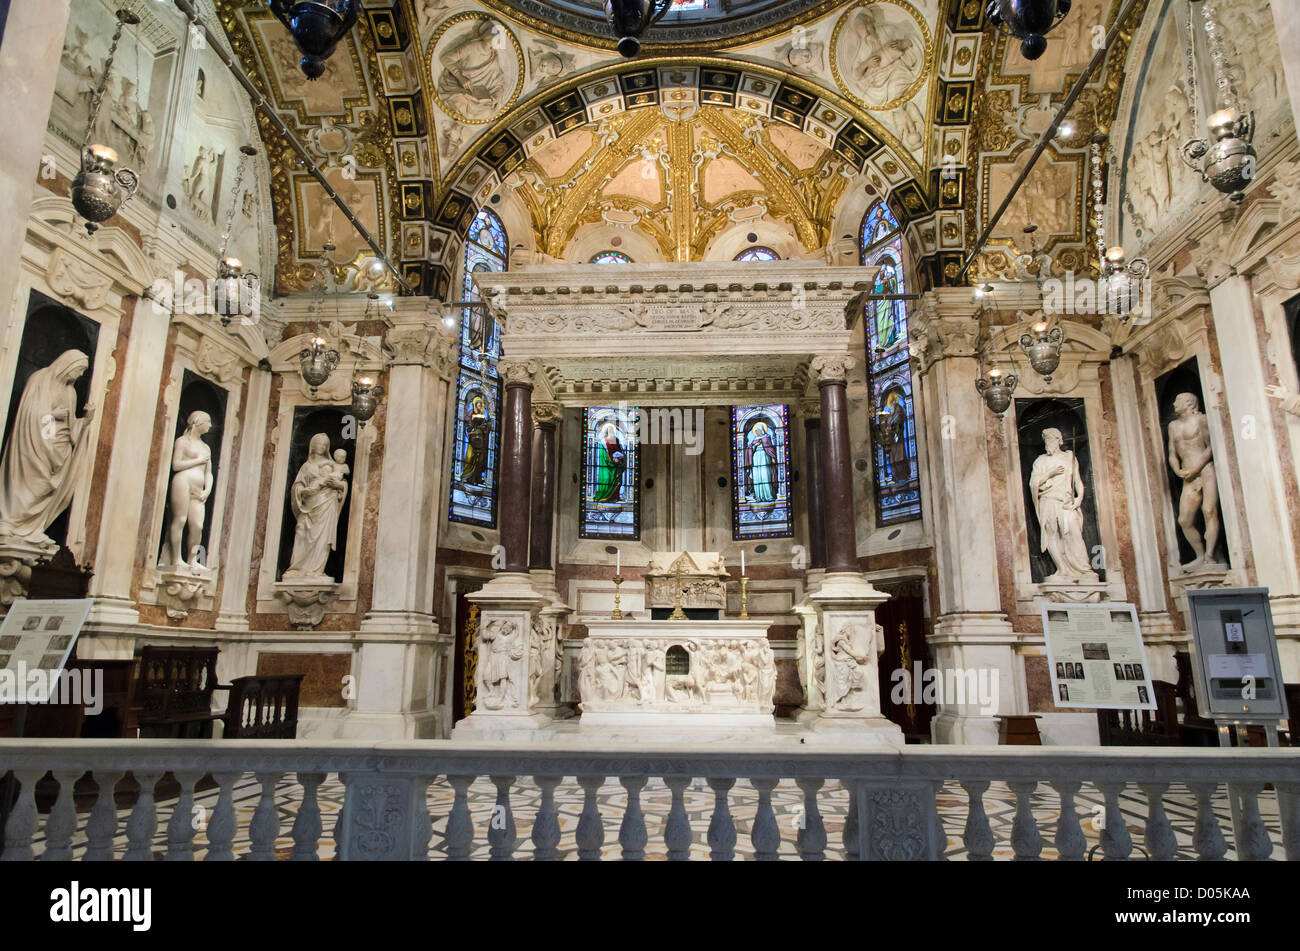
x=881, y=53
x=477, y=66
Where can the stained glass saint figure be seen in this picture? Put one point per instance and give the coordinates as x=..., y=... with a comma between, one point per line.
x=611, y=461
x=891, y=434
x=478, y=427
x=760, y=464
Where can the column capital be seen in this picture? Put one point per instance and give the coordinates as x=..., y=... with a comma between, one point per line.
x=832, y=368
x=517, y=372
x=547, y=414
x=810, y=409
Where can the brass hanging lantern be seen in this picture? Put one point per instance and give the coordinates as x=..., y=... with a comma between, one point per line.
x=996, y=389
x=317, y=362
x=1043, y=348
x=366, y=394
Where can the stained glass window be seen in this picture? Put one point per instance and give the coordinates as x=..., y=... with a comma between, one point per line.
x=610, y=505
x=760, y=473
x=889, y=368
x=758, y=254
x=477, y=428
x=610, y=257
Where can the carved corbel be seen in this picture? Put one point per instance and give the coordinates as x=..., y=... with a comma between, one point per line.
x=547, y=413
x=305, y=602
x=517, y=372
x=832, y=368
x=179, y=592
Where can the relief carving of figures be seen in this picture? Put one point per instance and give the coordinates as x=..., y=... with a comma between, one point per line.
x=879, y=53
x=499, y=649
x=476, y=79
x=188, y=494
x=1254, y=60
x=316, y=500
x=634, y=672
x=766, y=674
x=535, y=641
x=47, y=449
x=1192, y=460
x=587, y=685
x=850, y=670
x=656, y=660
x=1057, y=490
x=199, y=178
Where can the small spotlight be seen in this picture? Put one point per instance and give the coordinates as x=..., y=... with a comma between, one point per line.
x=1066, y=129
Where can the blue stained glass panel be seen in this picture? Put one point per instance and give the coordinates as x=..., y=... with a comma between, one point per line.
x=896, y=470
x=610, y=257
x=760, y=470
x=758, y=254
x=610, y=504
x=477, y=435
x=487, y=231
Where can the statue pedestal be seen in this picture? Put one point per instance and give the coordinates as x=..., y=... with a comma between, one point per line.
x=691, y=675
x=17, y=558
x=180, y=587
x=306, y=599
x=512, y=665
x=1070, y=593
x=850, y=643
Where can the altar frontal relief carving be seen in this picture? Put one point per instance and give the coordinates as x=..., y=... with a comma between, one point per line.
x=676, y=675
x=1060, y=503
x=879, y=52
x=477, y=67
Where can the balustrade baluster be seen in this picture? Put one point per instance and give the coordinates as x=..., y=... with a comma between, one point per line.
x=1161, y=843
x=307, y=824
x=1116, y=843
x=265, y=824
x=101, y=826
x=677, y=831
x=766, y=833
x=221, y=827
x=1254, y=844
x=977, y=835
x=851, y=851
x=1070, y=843
x=591, y=828
x=423, y=832
x=546, y=827
x=1207, y=837
x=631, y=831
x=62, y=822
x=1288, y=802
x=501, y=827
x=142, y=824
x=20, y=828
x=458, y=839
x=1026, y=841
x=812, y=831
x=180, y=824
x=722, y=829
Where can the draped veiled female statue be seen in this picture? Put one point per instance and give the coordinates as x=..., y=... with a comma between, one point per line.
x=316, y=499
x=47, y=449
x=188, y=495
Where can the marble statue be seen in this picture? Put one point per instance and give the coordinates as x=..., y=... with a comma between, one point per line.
x=316, y=500
x=766, y=675
x=47, y=448
x=1192, y=460
x=198, y=181
x=473, y=80
x=499, y=648
x=535, y=641
x=188, y=496
x=1057, y=490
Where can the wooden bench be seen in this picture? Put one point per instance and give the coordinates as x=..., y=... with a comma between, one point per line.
x=173, y=692
x=262, y=708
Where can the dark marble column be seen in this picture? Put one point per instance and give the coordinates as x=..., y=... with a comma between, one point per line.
x=546, y=416
x=837, y=466
x=516, y=463
x=814, y=489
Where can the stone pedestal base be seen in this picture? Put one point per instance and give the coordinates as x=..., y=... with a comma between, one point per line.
x=847, y=646
x=808, y=649
x=986, y=645
x=1074, y=593
x=180, y=588
x=17, y=558
x=854, y=731
x=306, y=600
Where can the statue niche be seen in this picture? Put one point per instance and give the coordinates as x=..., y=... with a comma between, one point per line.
x=1060, y=501
x=317, y=500
x=46, y=442
x=194, y=464
x=1189, y=459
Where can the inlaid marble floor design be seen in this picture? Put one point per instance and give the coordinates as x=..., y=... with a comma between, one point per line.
x=787, y=800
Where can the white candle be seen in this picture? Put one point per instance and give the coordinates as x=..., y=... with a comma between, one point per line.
x=742, y=562
x=618, y=561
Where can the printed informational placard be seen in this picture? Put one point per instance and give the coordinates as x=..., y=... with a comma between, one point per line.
x=37, y=636
x=1096, y=656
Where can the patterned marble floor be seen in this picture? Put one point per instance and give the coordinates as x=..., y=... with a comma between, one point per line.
x=999, y=803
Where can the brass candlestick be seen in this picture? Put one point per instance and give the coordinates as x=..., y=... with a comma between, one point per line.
x=618, y=611
x=744, y=597
x=678, y=614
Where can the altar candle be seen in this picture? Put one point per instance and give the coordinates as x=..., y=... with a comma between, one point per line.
x=618, y=561
x=742, y=562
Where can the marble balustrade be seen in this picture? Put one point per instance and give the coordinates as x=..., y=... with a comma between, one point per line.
x=892, y=798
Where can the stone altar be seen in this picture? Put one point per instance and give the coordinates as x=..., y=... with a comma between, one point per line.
x=696, y=674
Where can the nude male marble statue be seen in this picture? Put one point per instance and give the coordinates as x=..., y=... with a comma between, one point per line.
x=1192, y=460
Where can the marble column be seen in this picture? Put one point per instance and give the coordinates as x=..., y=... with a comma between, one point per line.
x=546, y=418
x=399, y=640
x=29, y=66
x=814, y=490
x=848, y=642
x=512, y=670
x=806, y=610
x=971, y=633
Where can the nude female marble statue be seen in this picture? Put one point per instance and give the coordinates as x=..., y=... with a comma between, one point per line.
x=1057, y=490
x=1192, y=460
x=316, y=499
x=46, y=451
x=188, y=495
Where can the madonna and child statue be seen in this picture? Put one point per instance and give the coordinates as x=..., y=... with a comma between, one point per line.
x=316, y=499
